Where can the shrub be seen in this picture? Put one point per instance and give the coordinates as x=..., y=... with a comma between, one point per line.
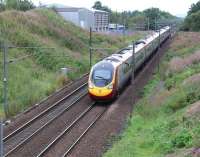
x=192, y=92
x=183, y=96
x=23, y=5
x=178, y=64
x=177, y=100
x=196, y=139
x=182, y=139
x=62, y=80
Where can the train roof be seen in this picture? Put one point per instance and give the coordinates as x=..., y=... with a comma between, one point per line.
x=122, y=55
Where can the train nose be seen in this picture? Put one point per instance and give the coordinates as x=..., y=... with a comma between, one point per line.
x=100, y=92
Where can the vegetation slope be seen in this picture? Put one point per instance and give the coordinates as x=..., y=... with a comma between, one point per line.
x=38, y=75
x=166, y=121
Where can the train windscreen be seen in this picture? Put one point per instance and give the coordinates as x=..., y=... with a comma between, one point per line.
x=102, y=75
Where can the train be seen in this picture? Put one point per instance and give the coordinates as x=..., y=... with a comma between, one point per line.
x=109, y=76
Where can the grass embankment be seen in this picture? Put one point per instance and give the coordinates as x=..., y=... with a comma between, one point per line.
x=37, y=76
x=166, y=121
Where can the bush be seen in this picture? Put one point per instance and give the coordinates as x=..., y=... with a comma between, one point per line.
x=62, y=80
x=177, y=100
x=196, y=139
x=182, y=139
x=22, y=5
x=192, y=22
x=183, y=96
x=193, y=93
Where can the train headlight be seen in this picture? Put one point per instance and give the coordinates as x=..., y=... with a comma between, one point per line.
x=110, y=86
x=91, y=86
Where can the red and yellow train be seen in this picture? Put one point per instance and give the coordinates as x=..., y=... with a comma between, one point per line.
x=110, y=75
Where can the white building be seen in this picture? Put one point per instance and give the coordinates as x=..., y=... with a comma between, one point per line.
x=96, y=19
x=79, y=16
x=101, y=20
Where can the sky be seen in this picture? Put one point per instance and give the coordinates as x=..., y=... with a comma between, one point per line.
x=175, y=7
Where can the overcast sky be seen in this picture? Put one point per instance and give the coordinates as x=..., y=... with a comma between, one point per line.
x=175, y=7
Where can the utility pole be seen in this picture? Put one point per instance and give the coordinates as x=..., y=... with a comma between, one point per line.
x=5, y=78
x=159, y=52
x=155, y=24
x=124, y=29
x=148, y=22
x=170, y=31
x=90, y=47
x=133, y=73
x=1, y=138
x=159, y=37
x=5, y=84
x=133, y=64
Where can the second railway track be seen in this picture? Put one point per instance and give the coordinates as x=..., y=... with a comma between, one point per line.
x=70, y=137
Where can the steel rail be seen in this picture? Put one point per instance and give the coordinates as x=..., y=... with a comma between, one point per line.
x=84, y=133
x=57, y=92
x=42, y=113
x=66, y=130
x=43, y=126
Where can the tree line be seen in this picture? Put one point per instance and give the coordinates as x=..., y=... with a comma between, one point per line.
x=22, y=5
x=147, y=18
x=192, y=20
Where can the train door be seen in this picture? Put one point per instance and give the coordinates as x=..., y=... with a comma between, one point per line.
x=120, y=77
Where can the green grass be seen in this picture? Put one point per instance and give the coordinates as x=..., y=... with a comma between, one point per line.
x=159, y=125
x=38, y=76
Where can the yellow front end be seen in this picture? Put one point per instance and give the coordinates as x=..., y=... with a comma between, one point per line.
x=100, y=91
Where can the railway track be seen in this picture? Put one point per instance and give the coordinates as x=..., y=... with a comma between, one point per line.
x=72, y=132
x=24, y=134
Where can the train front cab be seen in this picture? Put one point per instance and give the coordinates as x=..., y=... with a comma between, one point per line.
x=102, y=82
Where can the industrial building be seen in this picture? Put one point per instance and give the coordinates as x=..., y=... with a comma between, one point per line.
x=96, y=19
x=101, y=20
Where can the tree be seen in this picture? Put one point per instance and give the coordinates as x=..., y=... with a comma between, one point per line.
x=192, y=21
x=98, y=6
x=26, y=5
x=2, y=6
x=19, y=4
x=194, y=8
x=132, y=18
x=153, y=15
